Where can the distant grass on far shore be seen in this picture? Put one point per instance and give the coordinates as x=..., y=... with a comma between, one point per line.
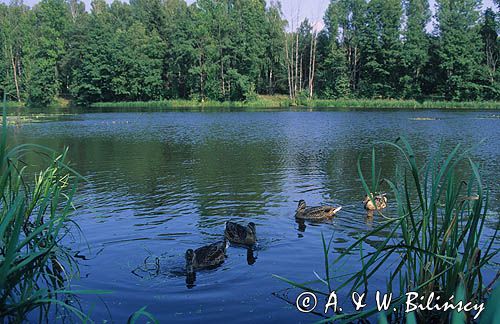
x=285, y=102
x=261, y=102
x=412, y=104
x=14, y=104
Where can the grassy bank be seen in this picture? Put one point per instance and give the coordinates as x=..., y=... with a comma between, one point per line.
x=285, y=102
x=407, y=104
x=261, y=102
x=15, y=104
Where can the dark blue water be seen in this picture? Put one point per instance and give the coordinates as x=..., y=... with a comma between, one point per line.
x=163, y=182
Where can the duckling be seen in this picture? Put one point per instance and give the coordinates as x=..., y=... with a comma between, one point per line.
x=240, y=234
x=380, y=202
x=315, y=213
x=205, y=257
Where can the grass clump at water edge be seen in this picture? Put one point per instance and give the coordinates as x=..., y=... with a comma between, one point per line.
x=434, y=245
x=35, y=268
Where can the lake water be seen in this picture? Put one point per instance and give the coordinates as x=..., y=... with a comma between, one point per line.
x=163, y=182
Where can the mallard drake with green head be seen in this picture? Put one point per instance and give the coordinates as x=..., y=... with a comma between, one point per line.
x=312, y=213
x=240, y=234
x=205, y=257
x=380, y=202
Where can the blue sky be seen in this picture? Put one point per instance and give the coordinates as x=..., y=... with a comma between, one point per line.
x=312, y=9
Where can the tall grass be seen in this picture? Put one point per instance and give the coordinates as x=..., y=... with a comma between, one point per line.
x=434, y=245
x=400, y=104
x=285, y=102
x=35, y=268
x=260, y=102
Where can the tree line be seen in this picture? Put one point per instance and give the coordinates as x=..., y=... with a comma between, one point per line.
x=233, y=50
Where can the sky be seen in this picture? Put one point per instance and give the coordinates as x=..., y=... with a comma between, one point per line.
x=311, y=9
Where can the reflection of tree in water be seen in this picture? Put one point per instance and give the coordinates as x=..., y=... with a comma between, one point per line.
x=235, y=179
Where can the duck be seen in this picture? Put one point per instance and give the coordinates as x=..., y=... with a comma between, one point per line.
x=240, y=234
x=315, y=213
x=206, y=256
x=380, y=202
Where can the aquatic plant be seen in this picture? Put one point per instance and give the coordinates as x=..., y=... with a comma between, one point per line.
x=141, y=313
x=400, y=104
x=435, y=245
x=35, y=268
x=285, y=102
x=258, y=102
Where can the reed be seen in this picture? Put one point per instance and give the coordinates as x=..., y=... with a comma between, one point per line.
x=285, y=102
x=260, y=102
x=434, y=245
x=400, y=104
x=35, y=268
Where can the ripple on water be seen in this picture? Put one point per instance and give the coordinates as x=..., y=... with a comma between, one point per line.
x=161, y=183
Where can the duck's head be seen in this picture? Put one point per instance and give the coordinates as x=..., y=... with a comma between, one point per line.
x=367, y=198
x=189, y=261
x=251, y=229
x=302, y=205
x=251, y=226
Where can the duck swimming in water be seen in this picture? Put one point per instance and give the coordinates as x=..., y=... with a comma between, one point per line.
x=380, y=202
x=240, y=234
x=206, y=256
x=315, y=213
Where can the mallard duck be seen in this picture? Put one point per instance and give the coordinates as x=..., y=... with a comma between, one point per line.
x=380, y=202
x=240, y=234
x=205, y=257
x=320, y=212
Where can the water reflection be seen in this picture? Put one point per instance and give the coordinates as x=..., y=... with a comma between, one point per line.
x=251, y=257
x=190, y=280
x=302, y=224
x=166, y=182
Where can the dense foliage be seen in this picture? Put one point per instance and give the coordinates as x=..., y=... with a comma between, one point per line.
x=229, y=50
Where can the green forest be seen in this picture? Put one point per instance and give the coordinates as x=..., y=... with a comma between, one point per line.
x=238, y=50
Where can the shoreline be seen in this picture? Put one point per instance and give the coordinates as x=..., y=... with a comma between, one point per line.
x=279, y=102
x=315, y=103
